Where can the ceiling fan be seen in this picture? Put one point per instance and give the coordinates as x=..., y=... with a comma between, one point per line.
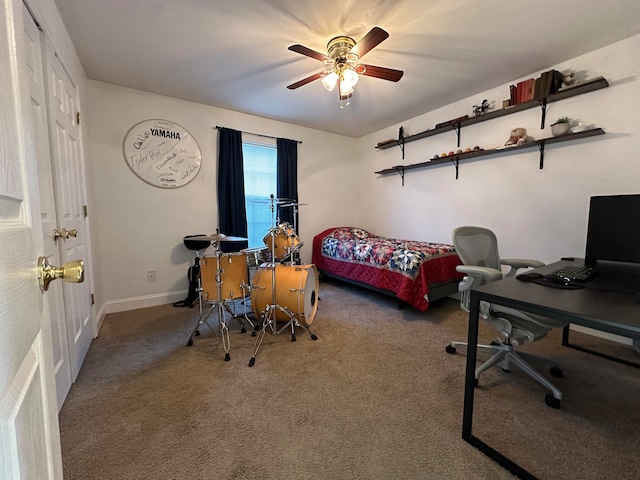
x=341, y=67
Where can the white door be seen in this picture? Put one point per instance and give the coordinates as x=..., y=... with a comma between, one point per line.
x=70, y=202
x=54, y=298
x=29, y=437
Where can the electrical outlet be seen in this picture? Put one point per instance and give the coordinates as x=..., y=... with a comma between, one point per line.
x=151, y=276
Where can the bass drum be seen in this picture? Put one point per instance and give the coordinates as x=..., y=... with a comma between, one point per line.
x=296, y=290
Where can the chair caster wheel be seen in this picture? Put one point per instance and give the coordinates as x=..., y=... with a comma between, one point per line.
x=197, y=334
x=313, y=336
x=189, y=343
x=450, y=349
x=253, y=333
x=243, y=330
x=475, y=382
x=227, y=357
x=252, y=362
x=556, y=372
x=293, y=338
x=551, y=401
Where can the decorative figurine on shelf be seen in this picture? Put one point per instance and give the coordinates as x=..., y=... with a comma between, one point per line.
x=481, y=109
x=568, y=79
x=518, y=137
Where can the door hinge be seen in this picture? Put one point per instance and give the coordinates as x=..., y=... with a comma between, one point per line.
x=93, y=299
x=85, y=210
x=78, y=118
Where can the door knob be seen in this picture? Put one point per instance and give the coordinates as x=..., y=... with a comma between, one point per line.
x=69, y=272
x=64, y=233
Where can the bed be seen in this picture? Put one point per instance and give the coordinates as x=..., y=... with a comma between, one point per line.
x=414, y=272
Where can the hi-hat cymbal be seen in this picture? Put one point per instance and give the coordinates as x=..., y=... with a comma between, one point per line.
x=219, y=237
x=293, y=205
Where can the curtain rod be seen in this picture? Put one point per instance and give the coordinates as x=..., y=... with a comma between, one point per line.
x=258, y=134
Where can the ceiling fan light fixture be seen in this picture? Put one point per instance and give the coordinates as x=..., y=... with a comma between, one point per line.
x=329, y=81
x=341, y=65
x=345, y=89
x=349, y=77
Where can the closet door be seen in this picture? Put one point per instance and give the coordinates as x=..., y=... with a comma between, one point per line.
x=70, y=202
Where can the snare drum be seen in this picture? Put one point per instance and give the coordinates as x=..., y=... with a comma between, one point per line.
x=224, y=276
x=296, y=290
x=285, y=241
x=257, y=256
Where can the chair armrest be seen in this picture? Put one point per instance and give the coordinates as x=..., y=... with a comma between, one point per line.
x=487, y=273
x=518, y=263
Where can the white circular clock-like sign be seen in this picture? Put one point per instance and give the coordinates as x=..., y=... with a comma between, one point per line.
x=162, y=153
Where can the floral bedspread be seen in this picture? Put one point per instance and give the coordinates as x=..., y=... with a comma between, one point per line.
x=402, y=266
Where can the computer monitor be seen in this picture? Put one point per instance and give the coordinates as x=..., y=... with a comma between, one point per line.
x=613, y=233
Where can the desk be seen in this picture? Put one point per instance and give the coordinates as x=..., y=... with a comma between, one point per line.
x=608, y=304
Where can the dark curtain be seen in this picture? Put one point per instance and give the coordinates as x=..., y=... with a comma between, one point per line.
x=232, y=215
x=287, y=177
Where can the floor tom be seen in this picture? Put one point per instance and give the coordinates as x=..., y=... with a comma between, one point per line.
x=224, y=276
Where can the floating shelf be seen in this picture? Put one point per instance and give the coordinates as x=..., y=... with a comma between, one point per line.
x=585, y=87
x=455, y=159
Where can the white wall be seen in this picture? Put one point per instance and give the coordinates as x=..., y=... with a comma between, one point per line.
x=140, y=227
x=535, y=213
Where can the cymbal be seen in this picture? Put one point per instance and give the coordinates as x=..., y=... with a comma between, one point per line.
x=277, y=201
x=253, y=249
x=293, y=205
x=219, y=237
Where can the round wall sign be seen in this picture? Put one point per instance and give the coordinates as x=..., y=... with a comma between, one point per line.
x=162, y=153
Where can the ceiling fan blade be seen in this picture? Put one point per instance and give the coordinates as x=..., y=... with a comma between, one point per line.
x=304, y=81
x=382, y=72
x=308, y=52
x=373, y=38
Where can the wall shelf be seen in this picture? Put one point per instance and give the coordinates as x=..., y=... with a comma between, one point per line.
x=585, y=87
x=456, y=158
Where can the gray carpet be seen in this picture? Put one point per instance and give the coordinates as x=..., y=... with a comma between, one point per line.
x=375, y=397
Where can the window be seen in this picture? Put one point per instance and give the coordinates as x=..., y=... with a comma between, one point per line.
x=260, y=177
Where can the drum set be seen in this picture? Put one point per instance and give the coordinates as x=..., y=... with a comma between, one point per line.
x=278, y=287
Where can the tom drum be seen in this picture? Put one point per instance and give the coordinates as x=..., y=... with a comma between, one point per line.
x=285, y=241
x=296, y=290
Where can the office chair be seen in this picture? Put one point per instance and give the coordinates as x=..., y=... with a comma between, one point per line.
x=477, y=247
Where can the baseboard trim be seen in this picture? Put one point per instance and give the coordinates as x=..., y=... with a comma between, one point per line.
x=133, y=303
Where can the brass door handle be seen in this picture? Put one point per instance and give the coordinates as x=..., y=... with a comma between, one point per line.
x=64, y=233
x=69, y=272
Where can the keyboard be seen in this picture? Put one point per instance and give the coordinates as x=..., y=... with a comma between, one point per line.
x=575, y=273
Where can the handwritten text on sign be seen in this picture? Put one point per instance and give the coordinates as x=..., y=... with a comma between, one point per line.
x=162, y=153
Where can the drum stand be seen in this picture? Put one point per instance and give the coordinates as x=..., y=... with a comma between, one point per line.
x=220, y=306
x=268, y=318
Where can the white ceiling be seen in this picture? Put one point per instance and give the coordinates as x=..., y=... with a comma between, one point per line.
x=233, y=53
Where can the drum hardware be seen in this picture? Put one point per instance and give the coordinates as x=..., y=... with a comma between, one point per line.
x=229, y=275
x=194, y=271
x=295, y=304
x=295, y=252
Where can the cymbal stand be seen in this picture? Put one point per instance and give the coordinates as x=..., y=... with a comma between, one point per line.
x=268, y=317
x=295, y=251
